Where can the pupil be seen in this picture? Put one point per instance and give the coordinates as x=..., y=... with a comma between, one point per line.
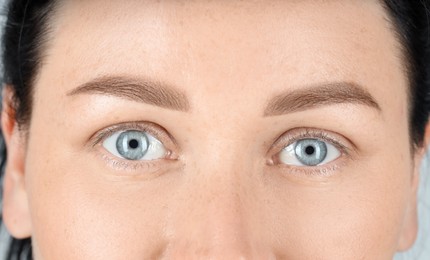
x=310, y=150
x=133, y=144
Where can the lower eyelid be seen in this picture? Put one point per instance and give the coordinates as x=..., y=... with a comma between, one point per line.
x=122, y=164
x=315, y=171
x=135, y=167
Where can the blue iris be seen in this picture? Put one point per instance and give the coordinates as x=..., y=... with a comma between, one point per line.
x=132, y=145
x=311, y=152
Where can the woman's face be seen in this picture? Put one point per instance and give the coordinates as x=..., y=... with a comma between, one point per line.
x=216, y=129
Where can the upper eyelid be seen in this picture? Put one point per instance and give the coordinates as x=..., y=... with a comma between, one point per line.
x=151, y=128
x=289, y=138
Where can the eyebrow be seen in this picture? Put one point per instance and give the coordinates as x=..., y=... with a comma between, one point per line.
x=319, y=95
x=140, y=90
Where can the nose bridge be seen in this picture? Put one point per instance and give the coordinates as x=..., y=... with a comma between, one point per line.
x=214, y=217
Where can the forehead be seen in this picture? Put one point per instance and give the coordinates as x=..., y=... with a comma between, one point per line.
x=224, y=46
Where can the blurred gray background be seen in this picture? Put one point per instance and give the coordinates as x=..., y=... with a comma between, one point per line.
x=420, y=251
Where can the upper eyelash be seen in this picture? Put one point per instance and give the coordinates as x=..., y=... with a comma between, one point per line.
x=109, y=131
x=316, y=134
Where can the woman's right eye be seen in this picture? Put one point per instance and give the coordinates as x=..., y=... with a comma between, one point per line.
x=135, y=145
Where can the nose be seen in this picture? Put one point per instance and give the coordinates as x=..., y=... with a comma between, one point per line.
x=217, y=214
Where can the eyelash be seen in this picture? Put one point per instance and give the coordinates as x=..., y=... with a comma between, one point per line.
x=148, y=127
x=309, y=133
x=161, y=134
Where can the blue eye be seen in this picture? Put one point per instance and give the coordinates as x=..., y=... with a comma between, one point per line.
x=134, y=145
x=308, y=152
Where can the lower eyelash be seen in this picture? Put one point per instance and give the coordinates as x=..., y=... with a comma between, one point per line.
x=320, y=171
x=123, y=165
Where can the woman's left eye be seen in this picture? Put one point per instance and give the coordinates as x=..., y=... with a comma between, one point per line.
x=308, y=152
x=135, y=145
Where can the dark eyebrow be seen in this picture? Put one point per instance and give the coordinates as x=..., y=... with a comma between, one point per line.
x=140, y=90
x=317, y=96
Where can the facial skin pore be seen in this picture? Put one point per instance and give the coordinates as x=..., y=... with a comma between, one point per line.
x=221, y=191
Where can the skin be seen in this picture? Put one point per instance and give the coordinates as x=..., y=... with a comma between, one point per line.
x=221, y=193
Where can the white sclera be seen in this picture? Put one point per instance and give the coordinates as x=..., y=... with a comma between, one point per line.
x=288, y=155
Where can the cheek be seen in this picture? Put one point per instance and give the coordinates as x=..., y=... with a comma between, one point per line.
x=357, y=216
x=78, y=214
